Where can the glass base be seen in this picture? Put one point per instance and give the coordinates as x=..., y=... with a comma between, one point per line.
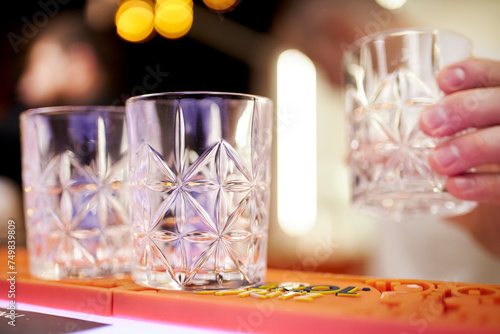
x=209, y=281
x=57, y=272
x=397, y=205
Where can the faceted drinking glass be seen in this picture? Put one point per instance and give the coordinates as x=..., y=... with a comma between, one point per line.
x=389, y=78
x=74, y=168
x=200, y=175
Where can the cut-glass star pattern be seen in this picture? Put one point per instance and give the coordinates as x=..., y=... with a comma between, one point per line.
x=77, y=213
x=202, y=218
x=390, y=148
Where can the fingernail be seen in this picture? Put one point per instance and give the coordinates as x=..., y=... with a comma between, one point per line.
x=447, y=155
x=464, y=183
x=434, y=117
x=455, y=77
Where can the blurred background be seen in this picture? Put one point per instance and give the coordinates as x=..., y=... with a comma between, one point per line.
x=56, y=52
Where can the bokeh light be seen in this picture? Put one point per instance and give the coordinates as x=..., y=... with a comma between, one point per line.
x=391, y=4
x=135, y=20
x=296, y=107
x=173, y=18
x=160, y=2
x=221, y=5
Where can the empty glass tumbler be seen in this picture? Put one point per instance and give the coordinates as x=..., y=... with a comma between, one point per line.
x=390, y=77
x=200, y=178
x=74, y=167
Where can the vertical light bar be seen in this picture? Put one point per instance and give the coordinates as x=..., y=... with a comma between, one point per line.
x=296, y=138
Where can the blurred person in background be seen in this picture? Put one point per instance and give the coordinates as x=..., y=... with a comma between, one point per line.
x=65, y=64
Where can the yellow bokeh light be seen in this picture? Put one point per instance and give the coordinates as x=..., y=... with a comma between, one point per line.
x=161, y=2
x=220, y=5
x=173, y=18
x=135, y=20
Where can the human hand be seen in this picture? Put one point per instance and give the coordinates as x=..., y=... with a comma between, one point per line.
x=472, y=100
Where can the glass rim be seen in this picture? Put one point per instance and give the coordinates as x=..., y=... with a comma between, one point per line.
x=356, y=45
x=72, y=109
x=196, y=94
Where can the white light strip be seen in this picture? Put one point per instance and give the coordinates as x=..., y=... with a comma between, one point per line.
x=296, y=138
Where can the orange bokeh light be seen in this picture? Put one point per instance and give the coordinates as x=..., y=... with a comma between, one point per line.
x=173, y=18
x=135, y=20
x=221, y=5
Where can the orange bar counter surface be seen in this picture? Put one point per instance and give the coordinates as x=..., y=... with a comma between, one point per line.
x=289, y=302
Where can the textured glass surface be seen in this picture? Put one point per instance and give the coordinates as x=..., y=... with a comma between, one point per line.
x=200, y=174
x=389, y=80
x=75, y=196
